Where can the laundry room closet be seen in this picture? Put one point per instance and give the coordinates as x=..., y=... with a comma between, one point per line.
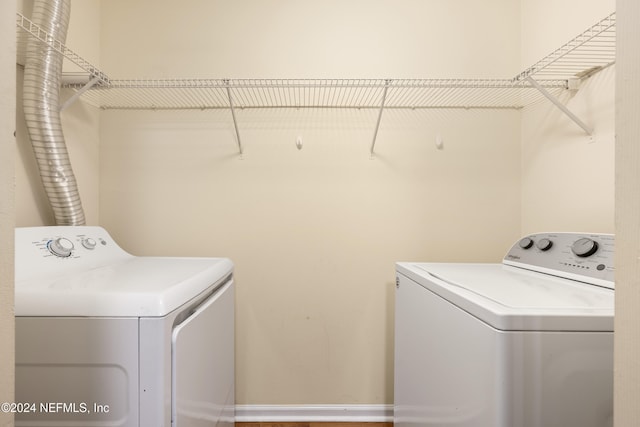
x=317, y=158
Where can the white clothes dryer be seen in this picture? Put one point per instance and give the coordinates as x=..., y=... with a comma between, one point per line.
x=105, y=338
x=525, y=343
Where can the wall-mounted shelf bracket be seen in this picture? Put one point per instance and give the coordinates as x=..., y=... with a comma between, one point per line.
x=79, y=92
x=233, y=115
x=588, y=129
x=384, y=98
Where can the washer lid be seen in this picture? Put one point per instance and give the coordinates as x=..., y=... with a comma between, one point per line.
x=510, y=298
x=135, y=287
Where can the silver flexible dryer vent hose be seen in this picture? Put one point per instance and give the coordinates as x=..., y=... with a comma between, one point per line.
x=42, y=75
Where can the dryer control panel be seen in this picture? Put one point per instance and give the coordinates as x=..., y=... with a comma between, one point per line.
x=579, y=256
x=49, y=251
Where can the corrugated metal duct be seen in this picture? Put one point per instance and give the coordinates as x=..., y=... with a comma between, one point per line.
x=42, y=75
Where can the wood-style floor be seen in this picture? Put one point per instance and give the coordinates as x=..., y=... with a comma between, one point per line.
x=271, y=424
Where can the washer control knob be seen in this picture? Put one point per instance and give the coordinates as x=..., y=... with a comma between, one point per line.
x=584, y=247
x=526, y=243
x=89, y=243
x=61, y=247
x=544, y=244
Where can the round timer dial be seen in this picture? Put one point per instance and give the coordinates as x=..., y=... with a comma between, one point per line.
x=60, y=247
x=584, y=247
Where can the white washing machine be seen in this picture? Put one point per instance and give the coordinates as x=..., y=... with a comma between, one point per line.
x=104, y=338
x=525, y=343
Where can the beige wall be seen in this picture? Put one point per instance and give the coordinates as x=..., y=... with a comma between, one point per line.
x=314, y=233
x=567, y=176
x=7, y=207
x=310, y=39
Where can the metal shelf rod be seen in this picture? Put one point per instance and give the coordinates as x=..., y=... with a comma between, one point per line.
x=235, y=122
x=588, y=129
x=375, y=133
x=79, y=92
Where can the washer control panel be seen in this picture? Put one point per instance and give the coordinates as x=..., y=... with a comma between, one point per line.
x=580, y=256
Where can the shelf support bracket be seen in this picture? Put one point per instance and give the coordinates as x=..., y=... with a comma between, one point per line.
x=233, y=115
x=588, y=129
x=79, y=93
x=375, y=132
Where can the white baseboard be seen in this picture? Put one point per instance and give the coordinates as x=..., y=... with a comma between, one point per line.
x=314, y=413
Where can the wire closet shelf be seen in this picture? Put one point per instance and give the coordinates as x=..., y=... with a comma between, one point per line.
x=584, y=55
x=312, y=93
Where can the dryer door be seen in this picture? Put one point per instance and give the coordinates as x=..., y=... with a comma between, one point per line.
x=202, y=364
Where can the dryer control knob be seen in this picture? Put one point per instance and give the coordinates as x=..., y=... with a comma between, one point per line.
x=61, y=247
x=544, y=244
x=584, y=247
x=89, y=243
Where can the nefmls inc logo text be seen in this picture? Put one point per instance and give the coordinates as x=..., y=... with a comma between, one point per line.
x=53, y=407
x=64, y=407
